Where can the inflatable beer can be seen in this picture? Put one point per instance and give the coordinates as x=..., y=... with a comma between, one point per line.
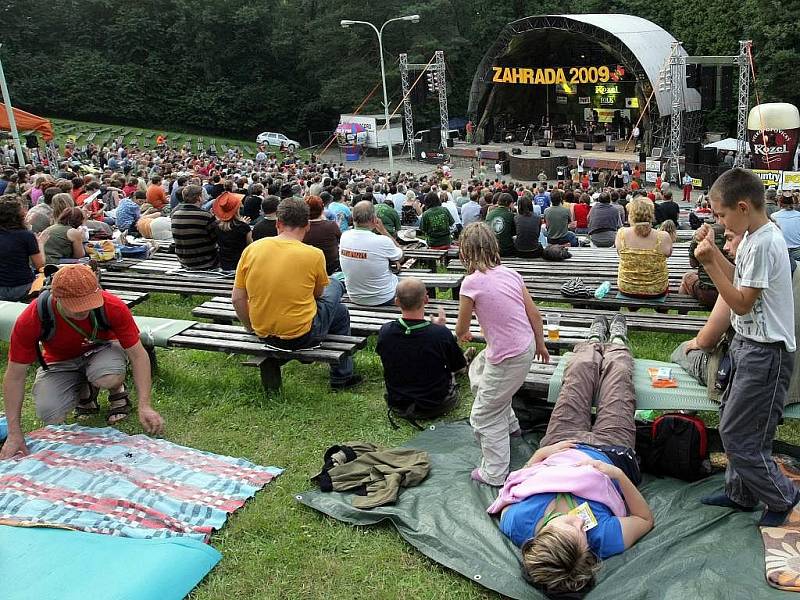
x=772, y=130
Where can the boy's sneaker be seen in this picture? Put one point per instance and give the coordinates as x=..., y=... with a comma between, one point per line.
x=598, y=330
x=618, y=328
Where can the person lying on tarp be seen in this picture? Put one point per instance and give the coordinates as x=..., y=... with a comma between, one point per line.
x=575, y=502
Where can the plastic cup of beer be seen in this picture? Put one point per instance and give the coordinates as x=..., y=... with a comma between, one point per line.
x=553, y=321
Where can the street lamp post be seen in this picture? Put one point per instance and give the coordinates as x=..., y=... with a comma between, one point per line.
x=379, y=32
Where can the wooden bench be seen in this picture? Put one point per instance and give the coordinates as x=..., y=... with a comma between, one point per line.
x=547, y=291
x=433, y=258
x=233, y=339
x=154, y=275
x=562, y=271
x=573, y=329
x=367, y=321
x=130, y=298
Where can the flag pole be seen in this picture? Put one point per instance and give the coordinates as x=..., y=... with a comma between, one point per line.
x=11, y=121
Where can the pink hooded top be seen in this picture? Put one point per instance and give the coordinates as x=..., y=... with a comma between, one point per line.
x=558, y=473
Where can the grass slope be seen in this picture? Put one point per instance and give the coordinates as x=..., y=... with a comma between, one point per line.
x=275, y=547
x=80, y=131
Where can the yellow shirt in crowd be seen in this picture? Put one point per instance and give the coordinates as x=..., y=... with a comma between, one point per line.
x=282, y=278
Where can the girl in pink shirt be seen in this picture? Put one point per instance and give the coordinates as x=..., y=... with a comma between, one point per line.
x=512, y=326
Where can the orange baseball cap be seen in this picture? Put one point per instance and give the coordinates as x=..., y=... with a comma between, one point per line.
x=76, y=288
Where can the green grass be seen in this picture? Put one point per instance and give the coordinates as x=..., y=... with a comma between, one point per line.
x=275, y=547
x=79, y=131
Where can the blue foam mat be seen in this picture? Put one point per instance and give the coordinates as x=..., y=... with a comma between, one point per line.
x=38, y=562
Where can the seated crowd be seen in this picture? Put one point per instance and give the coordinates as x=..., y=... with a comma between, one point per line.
x=299, y=236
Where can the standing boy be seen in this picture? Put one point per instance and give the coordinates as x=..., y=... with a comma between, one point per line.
x=762, y=351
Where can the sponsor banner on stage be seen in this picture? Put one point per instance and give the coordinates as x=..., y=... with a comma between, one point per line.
x=698, y=183
x=653, y=165
x=769, y=177
x=650, y=176
x=791, y=180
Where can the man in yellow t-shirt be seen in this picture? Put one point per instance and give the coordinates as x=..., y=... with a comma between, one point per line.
x=282, y=292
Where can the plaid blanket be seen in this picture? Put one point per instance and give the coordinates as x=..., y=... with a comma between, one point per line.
x=105, y=481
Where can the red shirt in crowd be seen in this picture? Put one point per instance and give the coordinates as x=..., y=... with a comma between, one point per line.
x=67, y=343
x=581, y=212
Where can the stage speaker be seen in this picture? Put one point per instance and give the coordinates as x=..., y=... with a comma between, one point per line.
x=587, y=146
x=708, y=156
x=542, y=143
x=708, y=86
x=544, y=153
x=506, y=167
x=527, y=142
x=610, y=148
x=31, y=141
x=693, y=153
x=693, y=76
x=502, y=155
x=726, y=87
x=571, y=145
x=516, y=151
x=559, y=144
x=642, y=157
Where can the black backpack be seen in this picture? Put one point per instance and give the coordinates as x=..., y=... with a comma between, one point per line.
x=677, y=447
x=47, y=319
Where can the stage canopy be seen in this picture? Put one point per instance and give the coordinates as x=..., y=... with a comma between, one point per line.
x=632, y=49
x=26, y=122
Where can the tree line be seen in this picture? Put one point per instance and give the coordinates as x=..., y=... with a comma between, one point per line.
x=238, y=67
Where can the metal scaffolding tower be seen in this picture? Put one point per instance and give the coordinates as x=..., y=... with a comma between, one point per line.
x=441, y=80
x=676, y=82
x=743, y=60
x=409, y=116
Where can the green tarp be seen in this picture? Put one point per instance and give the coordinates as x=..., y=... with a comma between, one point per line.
x=694, y=551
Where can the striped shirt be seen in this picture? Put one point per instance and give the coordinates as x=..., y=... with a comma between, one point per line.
x=195, y=233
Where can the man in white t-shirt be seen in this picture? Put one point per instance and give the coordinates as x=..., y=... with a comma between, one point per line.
x=365, y=258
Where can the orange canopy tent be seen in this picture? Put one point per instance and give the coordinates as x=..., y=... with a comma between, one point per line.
x=26, y=122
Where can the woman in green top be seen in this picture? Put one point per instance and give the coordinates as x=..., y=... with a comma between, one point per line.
x=64, y=238
x=436, y=222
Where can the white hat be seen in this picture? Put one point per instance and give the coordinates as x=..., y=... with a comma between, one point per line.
x=407, y=235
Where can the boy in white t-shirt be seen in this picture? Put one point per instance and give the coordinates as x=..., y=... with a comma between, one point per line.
x=762, y=351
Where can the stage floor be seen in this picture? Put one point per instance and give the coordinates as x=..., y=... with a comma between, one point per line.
x=533, y=151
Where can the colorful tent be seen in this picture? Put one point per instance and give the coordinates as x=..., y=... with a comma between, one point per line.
x=26, y=122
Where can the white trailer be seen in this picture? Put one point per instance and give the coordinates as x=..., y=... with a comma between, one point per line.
x=374, y=125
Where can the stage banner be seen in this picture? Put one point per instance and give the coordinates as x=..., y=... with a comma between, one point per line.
x=791, y=180
x=558, y=75
x=698, y=183
x=772, y=131
x=653, y=165
x=769, y=177
x=650, y=176
x=584, y=100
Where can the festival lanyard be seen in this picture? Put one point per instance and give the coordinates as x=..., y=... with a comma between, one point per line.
x=410, y=328
x=554, y=513
x=90, y=337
